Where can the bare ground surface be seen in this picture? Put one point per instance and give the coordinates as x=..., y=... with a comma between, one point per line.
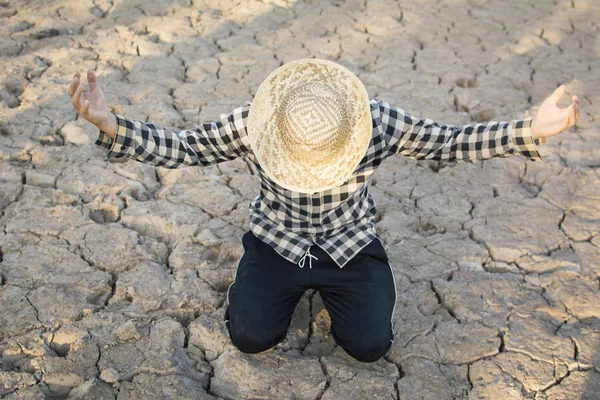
x=114, y=273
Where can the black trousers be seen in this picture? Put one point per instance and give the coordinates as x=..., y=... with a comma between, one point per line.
x=360, y=298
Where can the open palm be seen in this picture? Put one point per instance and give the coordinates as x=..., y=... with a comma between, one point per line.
x=90, y=105
x=550, y=119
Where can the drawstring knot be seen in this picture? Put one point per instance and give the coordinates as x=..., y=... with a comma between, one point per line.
x=301, y=262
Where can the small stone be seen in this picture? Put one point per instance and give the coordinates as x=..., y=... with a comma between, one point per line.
x=500, y=268
x=109, y=375
x=73, y=133
x=127, y=331
x=211, y=355
x=207, y=238
x=204, y=367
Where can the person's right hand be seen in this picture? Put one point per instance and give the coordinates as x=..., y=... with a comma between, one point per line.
x=92, y=105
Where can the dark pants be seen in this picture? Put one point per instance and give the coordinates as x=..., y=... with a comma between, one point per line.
x=360, y=298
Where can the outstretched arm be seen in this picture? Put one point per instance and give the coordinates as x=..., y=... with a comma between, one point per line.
x=208, y=143
x=423, y=138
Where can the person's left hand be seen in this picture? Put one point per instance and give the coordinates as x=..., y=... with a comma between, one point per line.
x=552, y=120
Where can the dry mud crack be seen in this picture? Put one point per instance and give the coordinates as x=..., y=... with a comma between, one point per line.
x=114, y=274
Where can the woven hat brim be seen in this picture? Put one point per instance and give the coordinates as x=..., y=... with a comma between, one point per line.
x=293, y=173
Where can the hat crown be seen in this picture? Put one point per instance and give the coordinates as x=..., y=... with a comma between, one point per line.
x=313, y=121
x=310, y=125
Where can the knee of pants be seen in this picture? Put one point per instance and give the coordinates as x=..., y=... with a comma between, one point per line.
x=251, y=340
x=368, y=349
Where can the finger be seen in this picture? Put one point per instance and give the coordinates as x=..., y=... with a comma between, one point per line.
x=86, y=107
x=77, y=98
x=576, y=107
x=568, y=116
x=558, y=93
x=91, y=77
x=73, y=86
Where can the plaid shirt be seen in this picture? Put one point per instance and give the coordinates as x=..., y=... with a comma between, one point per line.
x=341, y=220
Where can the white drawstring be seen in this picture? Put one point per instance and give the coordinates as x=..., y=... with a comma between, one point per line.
x=301, y=262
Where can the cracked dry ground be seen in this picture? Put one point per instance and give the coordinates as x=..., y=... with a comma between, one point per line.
x=114, y=273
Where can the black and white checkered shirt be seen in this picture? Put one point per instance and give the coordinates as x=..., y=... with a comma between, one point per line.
x=341, y=220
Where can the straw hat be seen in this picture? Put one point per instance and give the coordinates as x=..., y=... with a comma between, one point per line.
x=309, y=125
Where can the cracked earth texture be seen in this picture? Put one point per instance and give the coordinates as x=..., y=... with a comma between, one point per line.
x=114, y=273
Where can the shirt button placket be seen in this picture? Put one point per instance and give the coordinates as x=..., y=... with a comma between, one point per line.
x=315, y=202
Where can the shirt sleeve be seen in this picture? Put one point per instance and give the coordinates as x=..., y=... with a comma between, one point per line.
x=209, y=143
x=425, y=139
